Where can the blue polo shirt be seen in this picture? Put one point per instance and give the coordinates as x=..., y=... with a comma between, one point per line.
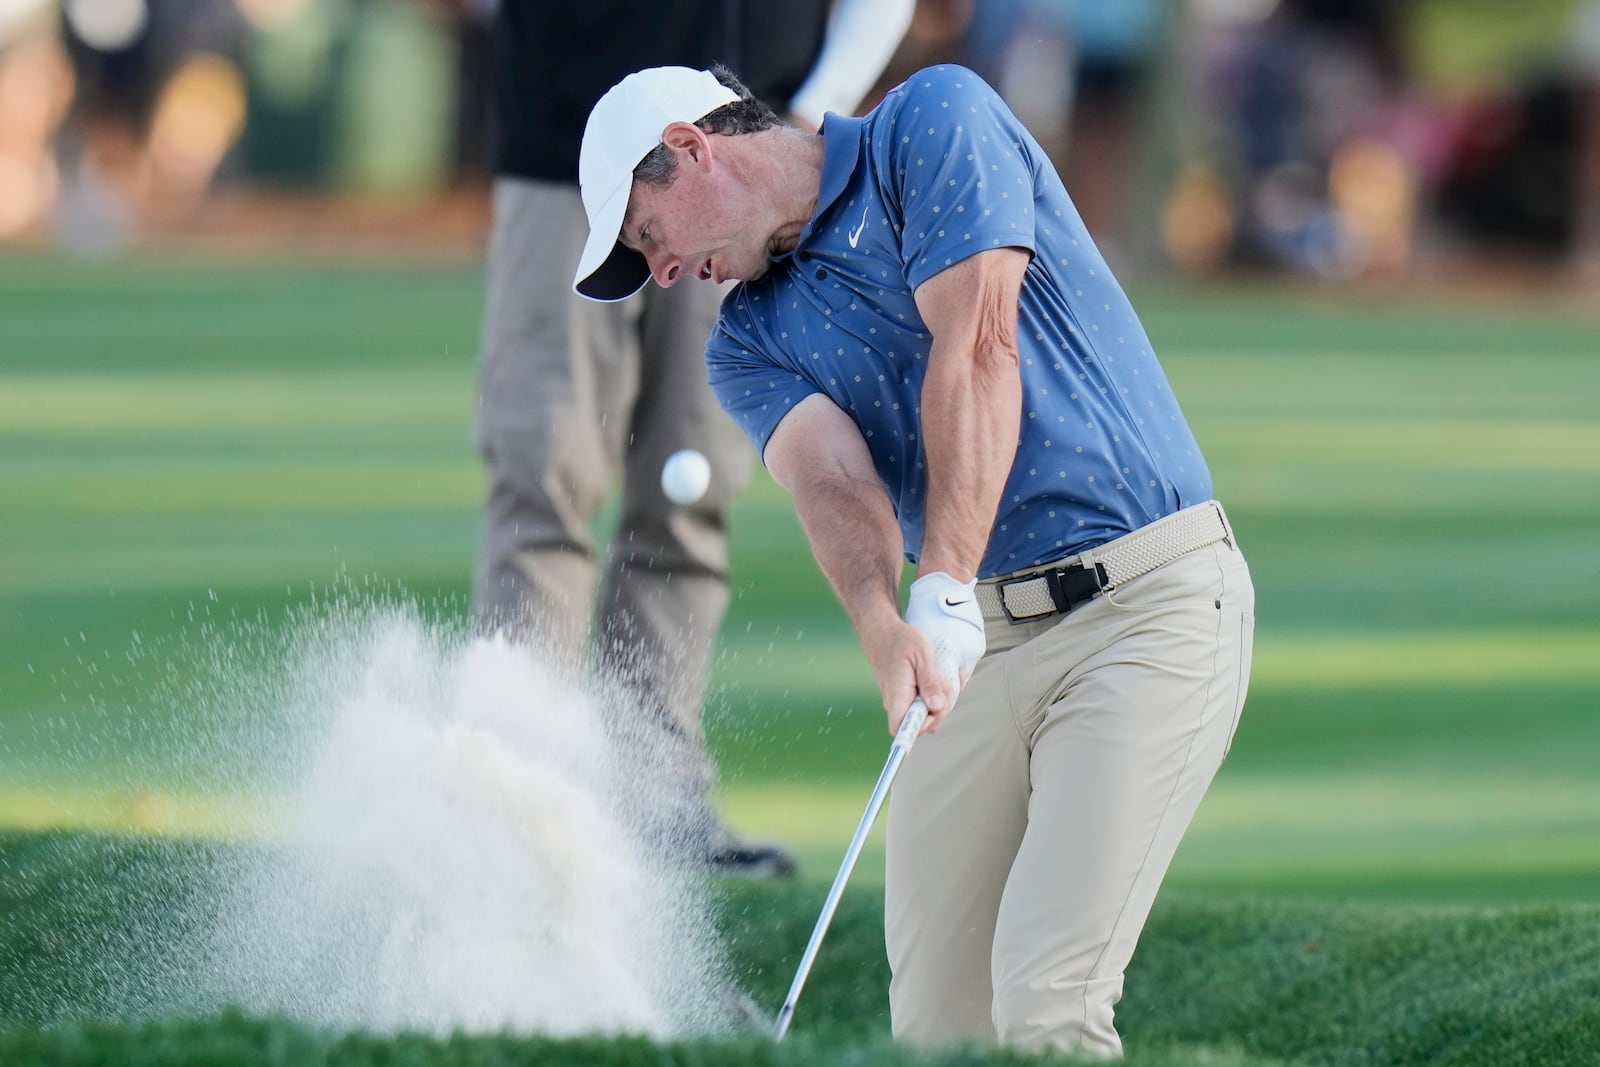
x=939, y=171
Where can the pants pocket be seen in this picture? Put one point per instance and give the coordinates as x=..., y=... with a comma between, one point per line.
x=1247, y=640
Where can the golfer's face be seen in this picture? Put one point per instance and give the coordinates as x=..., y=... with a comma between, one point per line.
x=705, y=226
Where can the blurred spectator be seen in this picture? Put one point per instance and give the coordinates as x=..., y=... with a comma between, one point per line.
x=1318, y=146
x=574, y=393
x=159, y=101
x=1586, y=64
x=36, y=89
x=934, y=36
x=1523, y=178
x=1317, y=106
x=1106, y=52
x=359, y=97
x=985, y=39
x=122, y=116
x=1513, y=182
x=113, y=109
x=1334, y=138
x=471, y=25
x=1072, y=70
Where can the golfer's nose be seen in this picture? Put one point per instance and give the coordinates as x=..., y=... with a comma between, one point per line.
x=666, y=269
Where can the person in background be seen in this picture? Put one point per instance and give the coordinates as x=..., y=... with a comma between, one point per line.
x=574, y=393
x=1585, y=60
x=1113, y=49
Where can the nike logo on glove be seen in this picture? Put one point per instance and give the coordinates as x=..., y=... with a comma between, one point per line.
x=855, y=234
x=955, y=603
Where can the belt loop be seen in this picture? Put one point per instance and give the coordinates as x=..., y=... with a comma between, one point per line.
x=1227, y=527
x=1058, y=595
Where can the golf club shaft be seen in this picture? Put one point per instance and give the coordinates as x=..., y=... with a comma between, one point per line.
x=910, y=727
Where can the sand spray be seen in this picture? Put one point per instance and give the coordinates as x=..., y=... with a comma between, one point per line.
x=453, y=842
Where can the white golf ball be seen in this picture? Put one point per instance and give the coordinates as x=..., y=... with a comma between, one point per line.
x=685, y=476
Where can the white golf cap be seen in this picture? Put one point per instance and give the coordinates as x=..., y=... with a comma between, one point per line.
x=624, y=127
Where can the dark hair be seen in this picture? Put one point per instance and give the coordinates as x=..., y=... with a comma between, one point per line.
x=745, y=115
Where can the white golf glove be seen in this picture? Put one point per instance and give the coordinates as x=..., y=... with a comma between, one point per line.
x=947, y=611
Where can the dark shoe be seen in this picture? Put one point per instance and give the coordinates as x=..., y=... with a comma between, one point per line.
x=727, y=853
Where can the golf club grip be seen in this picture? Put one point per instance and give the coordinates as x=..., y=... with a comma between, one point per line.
x=904, y=738
x=911, y=725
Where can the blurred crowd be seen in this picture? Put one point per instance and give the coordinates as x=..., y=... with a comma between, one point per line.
x=1341, y=139
x=1334, y=138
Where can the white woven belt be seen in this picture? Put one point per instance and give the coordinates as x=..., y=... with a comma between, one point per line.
x=1043, y=590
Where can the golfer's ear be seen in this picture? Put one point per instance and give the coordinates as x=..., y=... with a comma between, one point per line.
x=685, y=138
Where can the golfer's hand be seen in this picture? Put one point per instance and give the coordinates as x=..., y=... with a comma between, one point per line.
x=945, y=645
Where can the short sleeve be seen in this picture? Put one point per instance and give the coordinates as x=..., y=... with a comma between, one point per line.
x=755, y=388
x=963, y=168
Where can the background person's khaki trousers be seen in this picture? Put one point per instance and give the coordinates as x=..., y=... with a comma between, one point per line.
x=572, y=392
x=1028, y=837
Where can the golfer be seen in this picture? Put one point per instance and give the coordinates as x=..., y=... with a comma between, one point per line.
x=933, y=359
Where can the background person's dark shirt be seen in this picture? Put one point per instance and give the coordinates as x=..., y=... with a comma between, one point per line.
x=552, y=61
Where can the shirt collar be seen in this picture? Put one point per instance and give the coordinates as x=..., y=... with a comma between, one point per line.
x=841, y=148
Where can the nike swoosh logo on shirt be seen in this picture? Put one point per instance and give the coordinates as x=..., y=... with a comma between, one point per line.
x=855, y=234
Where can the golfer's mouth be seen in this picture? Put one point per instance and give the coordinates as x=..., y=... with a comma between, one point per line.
x=708, y=272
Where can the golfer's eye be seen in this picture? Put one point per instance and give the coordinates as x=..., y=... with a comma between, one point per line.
x=644, y=235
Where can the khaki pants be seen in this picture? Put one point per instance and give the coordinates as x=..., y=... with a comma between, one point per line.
x=1028, y=837
x=571, y=393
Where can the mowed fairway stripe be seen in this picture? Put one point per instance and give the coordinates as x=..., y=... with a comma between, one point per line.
x=101, y=404
x=1414, y=443
x=1365, y=804
x=1273, y=831
x=1265, y=825
x=212, y=489
x=1431, y=659
x=1335, y=660
x=162, y=812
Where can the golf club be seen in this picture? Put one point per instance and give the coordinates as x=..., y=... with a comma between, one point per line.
x=910, y=727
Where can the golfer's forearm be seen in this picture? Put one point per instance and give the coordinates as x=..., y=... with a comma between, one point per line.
x=971, y=419
x=856, y=540
x=971, y=404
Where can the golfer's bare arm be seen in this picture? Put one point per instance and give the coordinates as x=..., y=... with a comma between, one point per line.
x=818, y=454
x=971, y=415
x=971, y=404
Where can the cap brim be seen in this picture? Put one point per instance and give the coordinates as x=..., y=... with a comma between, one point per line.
x=623, y=273
x=608, y=270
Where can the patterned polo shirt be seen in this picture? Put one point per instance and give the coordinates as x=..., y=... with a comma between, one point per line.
x=940, y=171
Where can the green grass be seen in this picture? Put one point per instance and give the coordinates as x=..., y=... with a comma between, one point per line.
x=194, y=453
x=1248, y=980
x=192, y=449
x=235, y=1041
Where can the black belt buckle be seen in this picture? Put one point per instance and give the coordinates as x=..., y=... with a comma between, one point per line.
x=1078, y=584
x=1068, y=587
